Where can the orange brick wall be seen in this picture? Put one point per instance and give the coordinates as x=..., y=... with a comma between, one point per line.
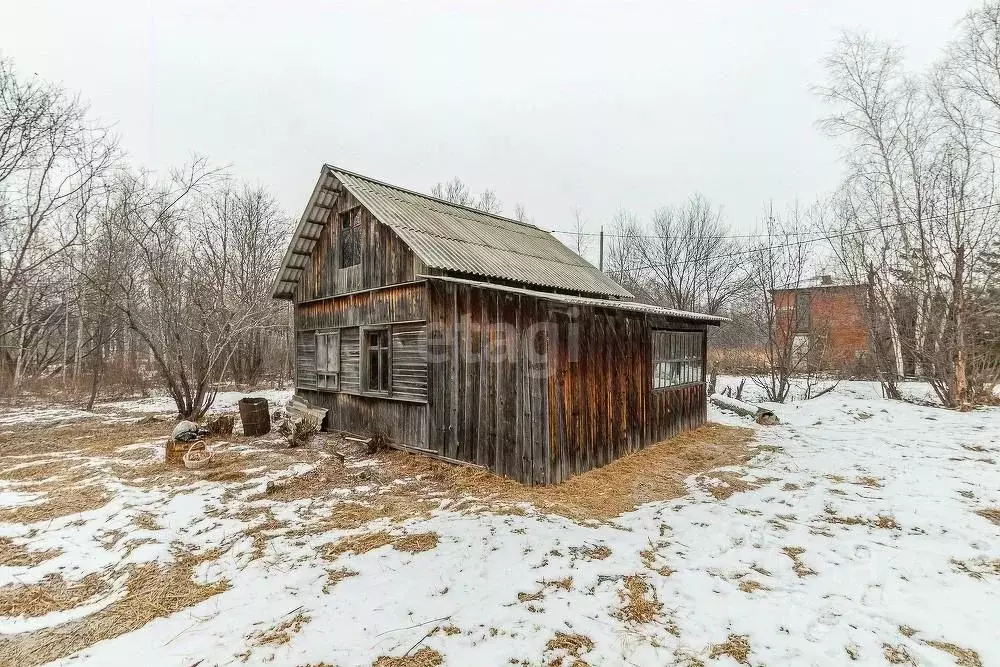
x=836, y=312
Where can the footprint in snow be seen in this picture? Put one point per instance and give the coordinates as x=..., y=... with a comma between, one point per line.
x=822, y=626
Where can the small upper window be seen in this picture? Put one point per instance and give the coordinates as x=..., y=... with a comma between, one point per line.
x=376, y=360
x=350, y=238
x=328, y=360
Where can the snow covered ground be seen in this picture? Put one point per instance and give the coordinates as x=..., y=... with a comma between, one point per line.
x=855, y=540
x=130, y=410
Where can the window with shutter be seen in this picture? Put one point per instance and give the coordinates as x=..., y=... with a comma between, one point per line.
x=328, y=360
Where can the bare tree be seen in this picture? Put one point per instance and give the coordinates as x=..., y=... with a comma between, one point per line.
x=489, y=202
x=581, y=241
x=917, y=210
x=240, y=241
x=521, y=214
x=624, y=261
x=688, y=257
x=51, y=164
x=779, y=260
x=457, y=192
x=192, y=294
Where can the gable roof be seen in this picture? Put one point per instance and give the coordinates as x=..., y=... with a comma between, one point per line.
x=447, y=237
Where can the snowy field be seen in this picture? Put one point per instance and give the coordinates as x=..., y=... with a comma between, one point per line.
x=864, y=532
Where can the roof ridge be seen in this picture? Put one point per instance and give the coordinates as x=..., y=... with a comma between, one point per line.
x=422, y=195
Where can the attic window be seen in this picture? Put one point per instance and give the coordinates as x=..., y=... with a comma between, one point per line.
x=350, y=238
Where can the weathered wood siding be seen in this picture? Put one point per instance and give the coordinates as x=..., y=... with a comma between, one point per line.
x=486, y=380
x=539, y=391
x=305, y=359
x=404, y=307
x=398, y=303
x=405, y=422
x=385, y=259
x=409, y=361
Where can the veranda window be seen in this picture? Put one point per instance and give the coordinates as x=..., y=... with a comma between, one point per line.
x=678, y=358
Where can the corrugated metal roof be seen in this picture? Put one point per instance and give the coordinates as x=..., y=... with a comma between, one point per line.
x=587, y=301
x=452, y=238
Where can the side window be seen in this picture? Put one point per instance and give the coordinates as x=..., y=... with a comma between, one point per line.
x=677, y=358
x=376, y=358
x=328, y=360
x=350, y=238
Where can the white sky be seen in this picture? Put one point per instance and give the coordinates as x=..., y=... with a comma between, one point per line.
x=604, y=106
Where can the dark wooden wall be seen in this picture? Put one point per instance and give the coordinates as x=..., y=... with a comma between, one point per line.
x=602, y=403
x=539, y=391
x=385, y=259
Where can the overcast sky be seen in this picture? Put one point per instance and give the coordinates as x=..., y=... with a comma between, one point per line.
x=600, y=106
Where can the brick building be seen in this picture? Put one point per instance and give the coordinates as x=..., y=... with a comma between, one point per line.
x=828, y=322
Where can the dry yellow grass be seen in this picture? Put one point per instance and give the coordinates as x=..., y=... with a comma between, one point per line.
x=67, y=501
x=152, y=591
x=654, y=473
x=365, y=542
x=281, y=633
x=964, y=657
x=573, y=645
x=990, y=514
x=736, y=647
x=897, y=655
x=595, y=553
x=335, y=576
x=17, y=555
x=52, y=593
x=800, y=568
x=422, y=657
x=92, y=437
x=883, y=521
x=564, y=584
x=724, y=483
x=639, y=603
x=750, y=585
x=977, y=567
x=146, y=521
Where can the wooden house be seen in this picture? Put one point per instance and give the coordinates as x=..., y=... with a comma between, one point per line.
x=479, y=338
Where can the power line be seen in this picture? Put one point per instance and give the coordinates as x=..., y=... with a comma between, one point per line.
x=716, y=237
x=827, y=237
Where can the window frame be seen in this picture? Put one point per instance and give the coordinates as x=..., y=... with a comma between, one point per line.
x=365, y=350
x=350, y=222
x=676, y=362
x=803, y=311
x=324, y=373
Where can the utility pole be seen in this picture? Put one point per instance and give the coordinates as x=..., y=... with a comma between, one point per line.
x=600, y=264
